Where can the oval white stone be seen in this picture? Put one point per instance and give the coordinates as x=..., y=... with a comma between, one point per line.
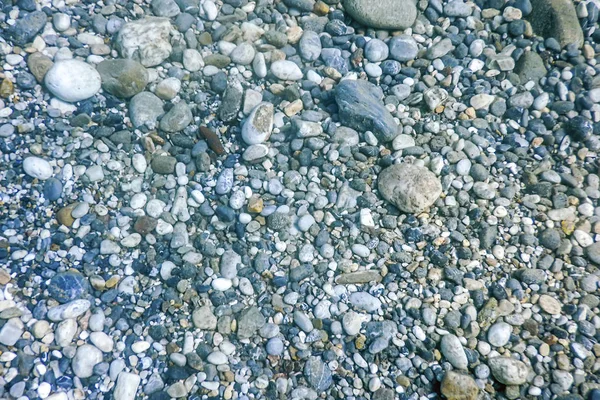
x=37, y=168
x=286, y=70
x=73, y=80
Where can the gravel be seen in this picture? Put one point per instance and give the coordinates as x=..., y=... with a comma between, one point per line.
x=299, y=199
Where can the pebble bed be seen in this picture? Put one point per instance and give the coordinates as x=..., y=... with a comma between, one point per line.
x=299, y=199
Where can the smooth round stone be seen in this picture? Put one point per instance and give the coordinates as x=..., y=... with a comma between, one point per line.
x=68, y=286
x=85, y=360
x=255, y=152
x=221, y=284
x=499, y=334
x=6, y=130
x=243, y=54
x=73, y=80
x=463, y=167
x=275, y=346
x=53, y=189
x=139, y=163
x=403, y=48
x=305, y=222
x=373, y=70
x=360, y=250
x=61, y=21
x=401, y=91
x=217, y=358
x=376, y=50
x=403, y=141
x=37, y=168
x=286, y=70
x=310, y=46
x=168, y=88
x=102, y=341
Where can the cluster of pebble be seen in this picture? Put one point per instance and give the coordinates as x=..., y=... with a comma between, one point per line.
x=303, y=199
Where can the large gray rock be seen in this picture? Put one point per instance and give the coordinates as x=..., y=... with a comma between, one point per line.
x=557, y=19
x=382, y=14
x=146, y=40
x=361, y=108
x=409, y=187
x=123, y=78
x=530, y=67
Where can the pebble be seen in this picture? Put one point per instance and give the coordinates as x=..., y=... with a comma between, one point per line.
x=410, y=188
x=286, y=70
x=86, y=358
x=73, y=80
x=37, y=168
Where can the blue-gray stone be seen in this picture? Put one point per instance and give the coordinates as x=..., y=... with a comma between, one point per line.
x=53, y=189
x=403, y=48
x=274, y=346
x=25, y=29
x=224, y=181
x=310, y=46
x=317, y=374
x=361, y=108
x=68, y=286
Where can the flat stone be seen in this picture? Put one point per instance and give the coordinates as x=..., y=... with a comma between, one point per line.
x=11, y=331
x=365, y=301
x=250, y=321
x=383, y=14
x=39, y=65
x=550, y=305
x=203, y=318
x=453, y=351
x=359, y=277
x=530, y=67
x=177, y=118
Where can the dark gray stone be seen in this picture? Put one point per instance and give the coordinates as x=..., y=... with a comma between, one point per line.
x=361, y=108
